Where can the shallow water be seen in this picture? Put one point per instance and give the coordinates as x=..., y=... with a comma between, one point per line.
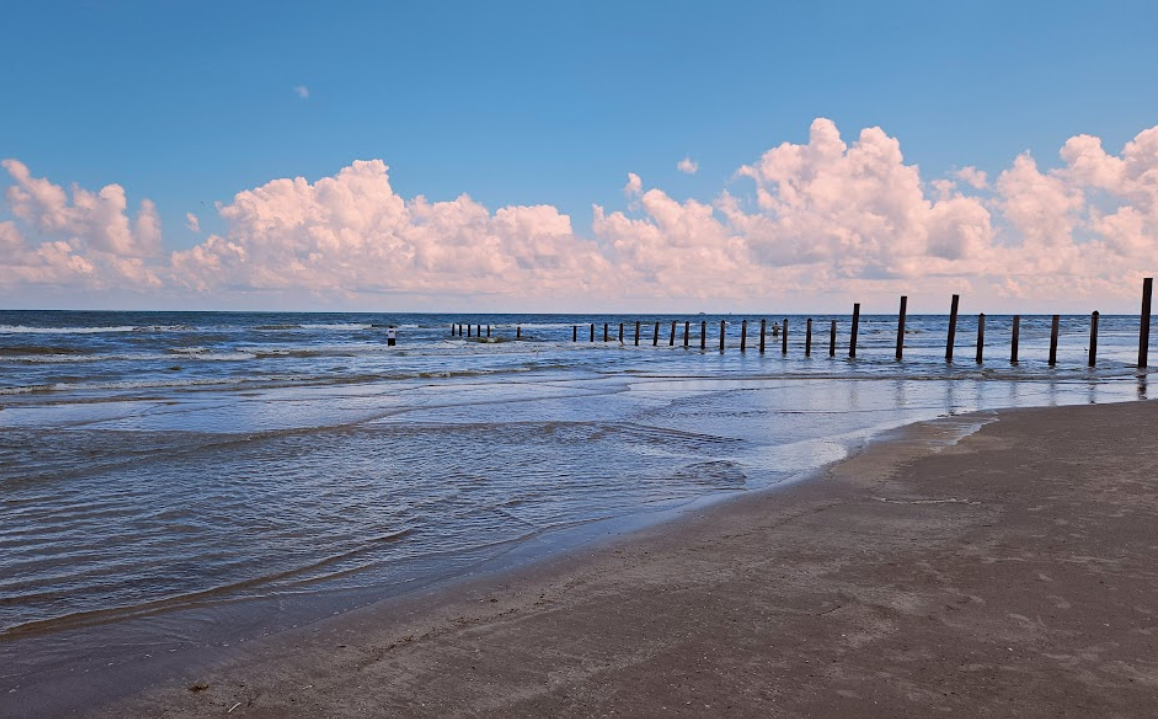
x=175, y=464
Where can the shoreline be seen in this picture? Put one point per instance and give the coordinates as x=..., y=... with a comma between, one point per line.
x=911, y=579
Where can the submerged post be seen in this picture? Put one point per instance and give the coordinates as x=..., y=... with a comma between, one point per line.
x=671, y=340
x=832, y=340
x=784, y=338
x=1016, y=337
x=744, y=335
x=655, y=337
x=1144, y=331
x=855, y=326
x=901, y=327
x=808, y=338
x=1094, y=339
x=1053, y=340
x=763, y=329
x=722, y=333
x=980, y=337
x=952, y=328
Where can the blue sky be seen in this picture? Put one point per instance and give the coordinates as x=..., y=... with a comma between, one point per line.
x=529, y=103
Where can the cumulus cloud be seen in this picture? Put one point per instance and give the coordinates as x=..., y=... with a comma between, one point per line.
x=688, y=166
x=823, y=217
x=302, y=91
x=192, y=222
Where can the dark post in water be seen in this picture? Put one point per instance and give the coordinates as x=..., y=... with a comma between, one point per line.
x=620, y=333
x=574, y=333
x=686, y=326
x=763, y=330
x=855, y=326
x=901, y=327
x=722, y=325
x=671, y=340
x=605, y=335
x=1094, y=339
x=980, y=337
x=655, y=337
x=637, y=333
x=744, y=335
x=592, y=331
x=518, y=332
x=1016, y=337
x=1053, y=340
x=1144, y=332
x=784, y=338
x=952, y=328
x=808, y=338
x=703, y=334
x=488, y=330
x=468, y=330
x=832, y=340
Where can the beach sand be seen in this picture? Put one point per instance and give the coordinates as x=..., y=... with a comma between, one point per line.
x=1014, y=573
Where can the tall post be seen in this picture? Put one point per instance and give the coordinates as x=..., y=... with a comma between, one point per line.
x=808, y=338
x=468, y=331
x=686, y=325
x=592, y=331
x=855, y=326
x=722, y=330
x=574, y=333
x=980, y=337
x=1053, y=340
x=763, y=330
x=832, y=340
x=478, y=330
x=518, y=332
x=655, y=337
x=488, y=330
x=1016, y=338
x=952, y=328
x=784, y=338
x=703, y=334
x=606, y=337
x=901, y=327
x=452, y=330
x=744, y=335
x=1094, y=339
x=637, y=333
x=620, y=333
x=1144, y=331
x=671, y=340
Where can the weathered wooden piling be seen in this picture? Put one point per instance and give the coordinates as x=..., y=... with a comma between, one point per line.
x=744, y=335
x=901, y=327
x=763, y=331
x=784, y=338
x=980, y=337
x=1053, y=340
x=592, y=331
x=686, y=326
x=855, y=327
x=478, y=330
x=620, y=333
x=832, y=340
x=1144, y=331
x=808, y=337
x=1014, y=340
x=488, y=330
x=722, y=334
x=468, y=330
x=671, y=340
x=1094, y=339
x=655, y=337
x=952, y=328
x=574, y=333
x=606, y=337
x=518, y=332
x=637, y=333
x=703, y=334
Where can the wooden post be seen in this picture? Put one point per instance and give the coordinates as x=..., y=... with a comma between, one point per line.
x=763, y=329
x=980, y=337
x=703, y=334
x=488, y=330
x=478, y=331
x=784, y=338
x=832, y=340
x=574, y=333
x=952, y=328
x=855, y=327
x=1053, y=340
x=468, y=329
x=1094, y=339
x=637, y=333
x=722, y=333
x=808, y=338
x=671, y=340
x=744, y=335
x=901, y=327
x=620, y=333
x=686, y=325
x=518, y=332
x=592, y=331
x=605, y=335
x=452, y=330
x=655, y=337
x=1144, y=331
x=1016, y=338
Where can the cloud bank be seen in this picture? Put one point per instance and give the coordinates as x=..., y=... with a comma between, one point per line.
x=798, y=226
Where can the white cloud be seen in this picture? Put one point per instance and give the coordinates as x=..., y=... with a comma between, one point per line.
x=974, y=177
x=302, y=91
x=688, y=166
x=192, y=222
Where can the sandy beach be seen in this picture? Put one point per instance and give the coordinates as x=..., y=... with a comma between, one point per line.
x=1011, y=573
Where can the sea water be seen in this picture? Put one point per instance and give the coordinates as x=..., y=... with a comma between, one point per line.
x=160, y=471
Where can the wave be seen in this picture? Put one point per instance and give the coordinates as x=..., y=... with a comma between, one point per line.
x=38, y=350
x=22, y=329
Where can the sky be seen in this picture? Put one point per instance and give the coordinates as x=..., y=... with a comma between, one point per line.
x=562, y=156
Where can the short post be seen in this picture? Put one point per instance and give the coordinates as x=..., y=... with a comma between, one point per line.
x=763, y=331
x=518, y=332
x=980, y=337
x=468, y=330
x=488, y=330
x=671, y=340
x=952, y=328
x=686, y=325
x=784, y=338
x=832, y=340
x=901, y=327
x=478, y=330
x=722, y=325
x=855, y=327
x=703, y=334
x=808, y=338
x=1144, y=331
x=655, y=337
x=452, y=330
x=574, y=333
x=592, y=331
x=744, y=335
x=1094, y=339
x=1053, y=340
x=620, y=333
x=1016, y=338
x=637, y=333
x=606, y=337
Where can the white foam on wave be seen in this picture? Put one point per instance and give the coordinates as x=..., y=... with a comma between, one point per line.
x=22, y=329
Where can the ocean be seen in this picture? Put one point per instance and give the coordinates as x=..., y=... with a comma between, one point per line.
x=176, y=481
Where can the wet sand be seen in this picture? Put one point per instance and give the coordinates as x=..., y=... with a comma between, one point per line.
x=1014, y=573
